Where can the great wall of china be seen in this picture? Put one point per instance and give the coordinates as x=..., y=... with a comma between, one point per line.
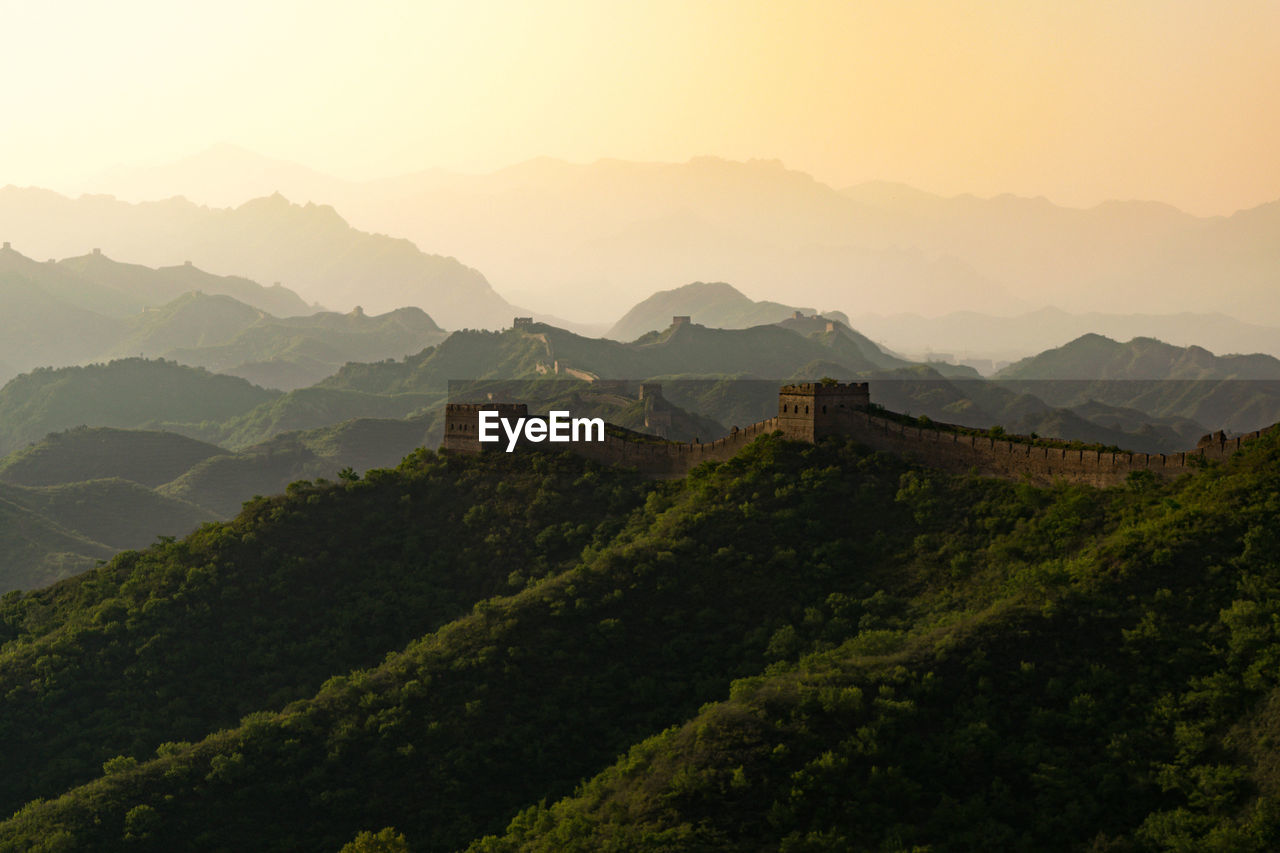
x=814, y=410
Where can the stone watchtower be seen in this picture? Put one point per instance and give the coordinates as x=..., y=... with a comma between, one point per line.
x=809, y=411
x=462, y=424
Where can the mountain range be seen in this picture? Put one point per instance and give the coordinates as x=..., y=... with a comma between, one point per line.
x=94, y=308
x=1236, y=392
x=309, y=248
x=983, y=339
x=588, y=240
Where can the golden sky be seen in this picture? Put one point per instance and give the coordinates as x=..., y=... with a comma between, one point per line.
x=1076, y=101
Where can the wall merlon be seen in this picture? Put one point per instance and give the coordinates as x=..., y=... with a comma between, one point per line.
x=801, y=417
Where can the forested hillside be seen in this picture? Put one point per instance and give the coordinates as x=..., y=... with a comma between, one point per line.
x=128, y=393
x=805, y=648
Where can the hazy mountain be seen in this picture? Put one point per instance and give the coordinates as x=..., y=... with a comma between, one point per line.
x=41, y=318
x=539, y=350
x=985, y=337
x=127, y=393
x=93, y=308
x=226, y=336
x=308, y=247
x=1235, y=392
x=590, y=240
x=1099, y=357
x=223, y=175
x=69, y=311
x=713, y=304
x=148, y=287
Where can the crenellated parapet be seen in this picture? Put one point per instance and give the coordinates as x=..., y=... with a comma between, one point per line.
x=954, y=450
x=812, y=411
x=462, y=423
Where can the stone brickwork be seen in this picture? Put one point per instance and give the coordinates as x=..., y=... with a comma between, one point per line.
x=954, y=451
x=812, y=411
x=462, y=423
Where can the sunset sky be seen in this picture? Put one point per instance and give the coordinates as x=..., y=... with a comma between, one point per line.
x=1079, y=102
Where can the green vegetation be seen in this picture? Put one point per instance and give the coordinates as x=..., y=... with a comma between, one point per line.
x=82, y=495
x=147, y=457
x=129, y=393
x=804, y=648
x=222, y=483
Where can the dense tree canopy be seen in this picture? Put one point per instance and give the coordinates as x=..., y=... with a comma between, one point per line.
x=804, y=648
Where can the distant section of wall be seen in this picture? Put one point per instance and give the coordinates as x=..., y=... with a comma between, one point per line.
x=650, y=455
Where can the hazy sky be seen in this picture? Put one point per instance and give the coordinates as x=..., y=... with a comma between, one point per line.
x=1078, y=101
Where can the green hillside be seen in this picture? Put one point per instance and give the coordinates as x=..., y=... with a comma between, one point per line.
x=128, y=393
x=82, y=495
x=307, y=408
x=117, y=513
x=35, y=551
x=806, y=648
x=266, y=608
x=223, y=482
x=96, y=453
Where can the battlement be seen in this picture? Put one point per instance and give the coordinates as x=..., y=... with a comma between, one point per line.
x=462, y=423
x=828, y=389
x=811, y=411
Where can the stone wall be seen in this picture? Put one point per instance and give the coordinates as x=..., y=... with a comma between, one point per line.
x=954, y=451
x=802, y=417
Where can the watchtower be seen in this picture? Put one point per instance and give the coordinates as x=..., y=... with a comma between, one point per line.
x=522, y=322
x=680, y=320
x=462, y=423
x=809, y=411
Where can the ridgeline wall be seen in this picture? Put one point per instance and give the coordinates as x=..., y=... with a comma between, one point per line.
x=955, y=451
x=944, y=447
